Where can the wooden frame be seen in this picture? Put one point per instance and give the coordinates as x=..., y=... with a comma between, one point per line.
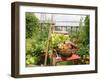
x=15, y=42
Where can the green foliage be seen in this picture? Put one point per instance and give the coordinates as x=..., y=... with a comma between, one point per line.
x=32, y=23
x=31, y=60
x=86, y=28
x=29, y=46
x=36, y=38
x=83, y=50
x=59, y=38
x=84, y=32
x=81, y=38
x=65, y=63
x=74, y=37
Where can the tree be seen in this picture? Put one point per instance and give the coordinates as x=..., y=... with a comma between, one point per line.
x=32, y=23
x=82, y=36
x=86, y=29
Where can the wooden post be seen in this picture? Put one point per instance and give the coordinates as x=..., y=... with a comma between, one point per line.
x=48, y=41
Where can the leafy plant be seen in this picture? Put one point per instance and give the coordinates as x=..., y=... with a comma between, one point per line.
x=32, y=23
x=83, y=51
x=59, y=38
x=81, y=38
x=31, y=60
x=36, y=38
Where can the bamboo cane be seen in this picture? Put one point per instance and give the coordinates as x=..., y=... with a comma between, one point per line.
x=48, y=41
